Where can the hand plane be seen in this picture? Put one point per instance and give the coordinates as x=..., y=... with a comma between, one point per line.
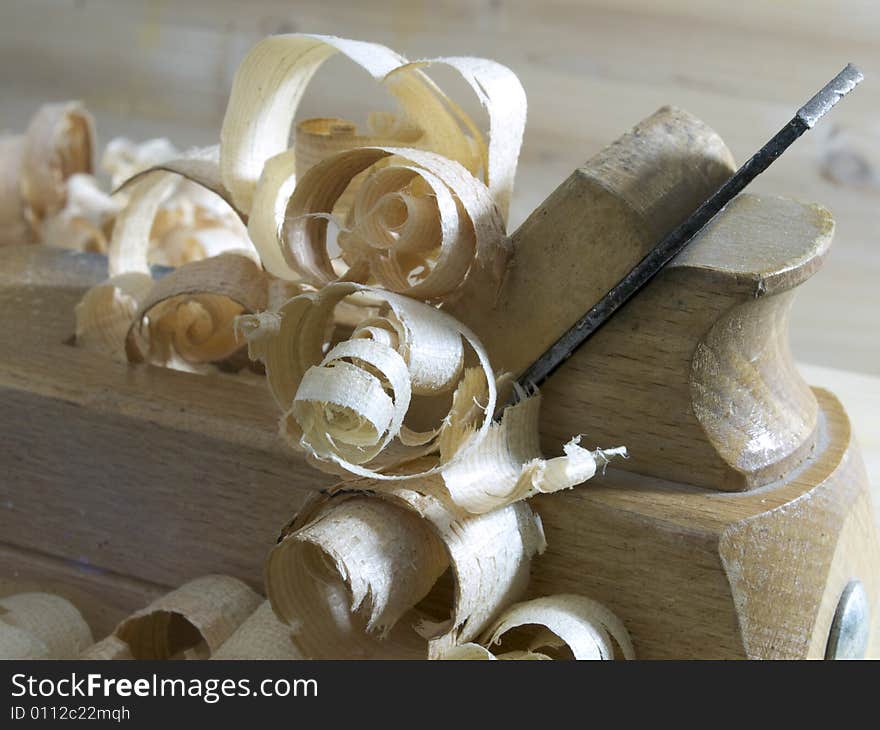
x=740, y=527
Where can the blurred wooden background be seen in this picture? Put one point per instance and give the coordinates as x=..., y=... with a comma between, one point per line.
x=591, y=68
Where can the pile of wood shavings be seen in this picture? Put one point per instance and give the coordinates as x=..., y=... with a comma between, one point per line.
x=374, y=380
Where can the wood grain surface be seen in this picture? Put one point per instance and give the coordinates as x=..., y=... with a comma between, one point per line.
x=695, y=375
x=121, y=482
x=591, y=68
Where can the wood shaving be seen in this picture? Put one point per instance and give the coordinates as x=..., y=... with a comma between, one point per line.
x=190, y=312
x=49, y=194
x=86, y=220
x=351, y=569
x=59, y=142
x=582, y=627
x=261, y=636
x=273, y=77
x=354, y=246
x=146, y=192
x=507, y=464
x=191, y=622
x=184, y=319
x=41, y=626
x=418, y=225
x=35, y=169
x=104, y=316
x=346, y=404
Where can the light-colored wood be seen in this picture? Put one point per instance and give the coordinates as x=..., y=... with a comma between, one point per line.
x=600, y=221
x=591, y=68
x=112, y=470
x=860, y=395
x=695, y=375
x=703, y=574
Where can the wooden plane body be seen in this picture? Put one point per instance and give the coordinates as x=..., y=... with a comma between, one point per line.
x=731, y=532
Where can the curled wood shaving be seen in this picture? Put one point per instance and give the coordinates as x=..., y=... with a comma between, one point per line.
x=105, y=314
x=416, y=225
x=555, y=624
x=35, y=169
x=349, y=572
x=345, y=403
x=261, y=636
x=85, y=221
x=190, y=312
x=191, y=622
x=507, y=464
x=343, y=580
x=271, y=80
x=41, y=626
x=194, y=217
x=146, y=192
x=585, y=626
x=184, y=319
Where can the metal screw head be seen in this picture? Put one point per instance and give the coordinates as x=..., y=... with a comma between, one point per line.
x=850, y=628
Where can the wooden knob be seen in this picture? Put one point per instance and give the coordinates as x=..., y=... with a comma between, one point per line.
x=695, y=375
